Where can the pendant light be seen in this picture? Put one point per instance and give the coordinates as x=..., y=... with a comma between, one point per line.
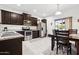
x=58, y=12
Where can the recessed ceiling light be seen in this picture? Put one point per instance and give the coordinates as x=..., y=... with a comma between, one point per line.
x=18, y=4
x=44, y=14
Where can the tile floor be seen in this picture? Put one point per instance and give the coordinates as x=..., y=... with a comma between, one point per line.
x=42, y=46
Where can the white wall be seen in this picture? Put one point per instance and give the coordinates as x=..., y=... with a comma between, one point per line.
x=74, y=12
x=0, y=16
x=50, y=24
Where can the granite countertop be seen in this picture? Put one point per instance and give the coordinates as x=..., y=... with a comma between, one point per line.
x=9, y=35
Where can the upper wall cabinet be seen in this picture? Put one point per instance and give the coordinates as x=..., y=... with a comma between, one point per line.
x=6, y=17
x=33, y=21
x=26, y=16
x=17, y=19
x=11, y=18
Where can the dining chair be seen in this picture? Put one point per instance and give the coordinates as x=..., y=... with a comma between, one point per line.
x=62, y=38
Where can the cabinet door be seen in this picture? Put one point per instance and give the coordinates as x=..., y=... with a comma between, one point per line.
x=35, y=34
x=3, y=16
x=33, y=21
x=11, y=46
x=20, y=19
x=6, y=17
x=11, y=18
x=14, y=18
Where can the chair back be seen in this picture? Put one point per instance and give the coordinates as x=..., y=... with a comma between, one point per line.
x=62, y=35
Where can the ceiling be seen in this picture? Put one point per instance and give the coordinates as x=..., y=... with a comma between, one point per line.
x=39, y=10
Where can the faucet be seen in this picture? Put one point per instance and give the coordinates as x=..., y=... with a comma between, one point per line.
x=5, y=29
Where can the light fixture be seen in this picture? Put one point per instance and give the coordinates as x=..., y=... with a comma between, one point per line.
x=58, y=12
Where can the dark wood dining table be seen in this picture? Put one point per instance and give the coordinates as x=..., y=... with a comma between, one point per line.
x=75, y=38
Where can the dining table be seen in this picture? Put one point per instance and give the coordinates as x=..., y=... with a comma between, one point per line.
x=75, y=38
x=72, y=37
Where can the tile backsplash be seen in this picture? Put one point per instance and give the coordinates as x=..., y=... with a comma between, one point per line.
x=15, y=27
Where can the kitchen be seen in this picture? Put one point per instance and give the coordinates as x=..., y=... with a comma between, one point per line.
x=29, y=28
x=22, y=38
x=19, y=27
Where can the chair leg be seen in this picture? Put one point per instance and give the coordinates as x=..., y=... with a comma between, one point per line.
x=70, y=50
x=57, y=50
x=62, y=50
x=67, y=51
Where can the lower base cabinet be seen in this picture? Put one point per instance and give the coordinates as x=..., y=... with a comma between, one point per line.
x=11, y=46
x=35, y=33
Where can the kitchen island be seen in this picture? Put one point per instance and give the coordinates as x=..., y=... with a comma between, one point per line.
x=11, y=43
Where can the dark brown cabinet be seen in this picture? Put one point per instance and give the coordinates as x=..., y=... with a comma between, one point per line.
x=20, y=20
x=33, y=21
x=11, y=46
x=6, y=17
x=35, y=33
x=11, y=18
x=26, y=16
x=14, y=18
x=17, y=19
